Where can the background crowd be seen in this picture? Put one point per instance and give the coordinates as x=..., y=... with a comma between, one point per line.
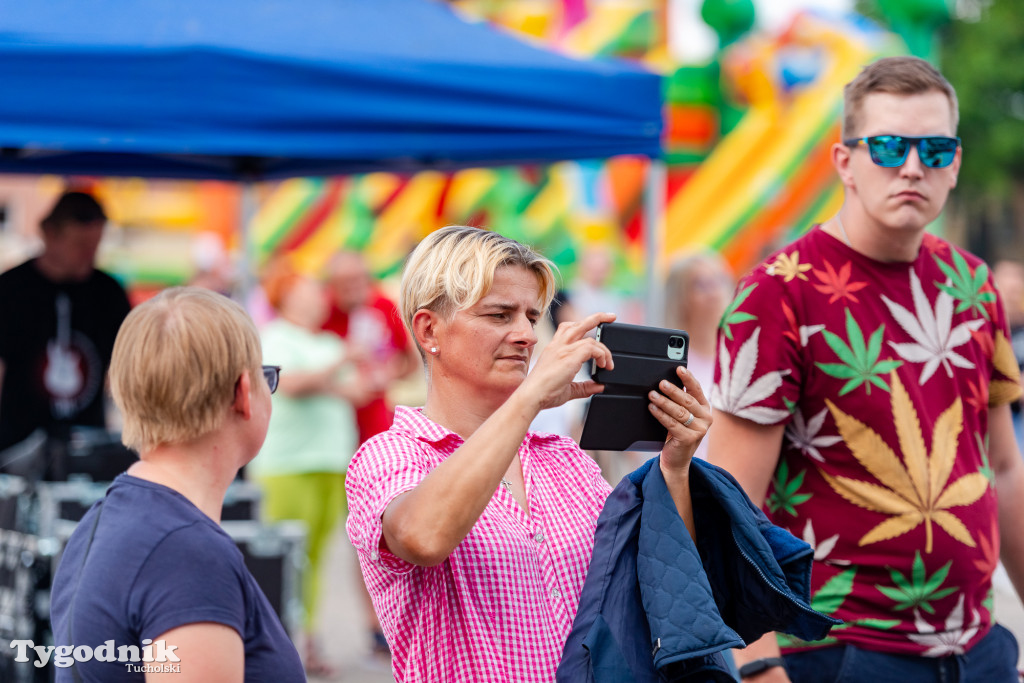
x=794, y=359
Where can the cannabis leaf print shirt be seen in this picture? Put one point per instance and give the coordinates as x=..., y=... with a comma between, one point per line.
x=883, y=374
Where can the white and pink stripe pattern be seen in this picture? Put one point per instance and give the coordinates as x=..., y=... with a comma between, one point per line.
x=501, y=606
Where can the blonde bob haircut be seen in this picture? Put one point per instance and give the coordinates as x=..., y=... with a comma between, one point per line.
x=176, y=361
x=453, y=268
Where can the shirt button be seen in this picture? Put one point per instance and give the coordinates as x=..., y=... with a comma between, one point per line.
x=374, y=555
x=539, y=537
x=556, y=593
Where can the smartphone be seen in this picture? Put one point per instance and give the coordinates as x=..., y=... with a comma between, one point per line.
x=618, y=419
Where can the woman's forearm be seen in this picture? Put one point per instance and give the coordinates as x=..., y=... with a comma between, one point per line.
x=424, y=525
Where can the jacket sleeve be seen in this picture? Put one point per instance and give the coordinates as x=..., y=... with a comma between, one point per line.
x=760, y=573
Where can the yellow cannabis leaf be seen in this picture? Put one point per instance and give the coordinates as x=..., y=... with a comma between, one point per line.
x=1002, y=391
x=788, y=266
x=915, y=490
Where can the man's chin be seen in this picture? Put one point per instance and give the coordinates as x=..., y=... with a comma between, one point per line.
x=907, y=220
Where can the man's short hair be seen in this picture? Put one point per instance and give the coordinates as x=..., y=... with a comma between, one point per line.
x=896, y=76
x=176, y=361
x=453, y=268
x=73, y=207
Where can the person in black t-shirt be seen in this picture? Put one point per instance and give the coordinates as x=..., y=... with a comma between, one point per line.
x=59, y=316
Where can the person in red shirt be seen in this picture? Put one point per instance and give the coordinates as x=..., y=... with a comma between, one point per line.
x=372, y=326
x=862, y=395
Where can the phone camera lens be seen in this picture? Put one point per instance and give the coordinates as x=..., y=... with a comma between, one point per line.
x=675, y=342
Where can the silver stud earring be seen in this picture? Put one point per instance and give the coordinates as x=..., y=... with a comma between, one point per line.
x=433, y=349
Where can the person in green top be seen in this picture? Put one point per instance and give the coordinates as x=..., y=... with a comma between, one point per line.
x=312, y=433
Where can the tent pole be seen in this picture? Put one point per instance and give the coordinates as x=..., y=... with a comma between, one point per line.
x=654, y=212
x=247, y=253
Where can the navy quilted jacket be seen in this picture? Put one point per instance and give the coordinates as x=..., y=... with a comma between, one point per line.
x=656, y=607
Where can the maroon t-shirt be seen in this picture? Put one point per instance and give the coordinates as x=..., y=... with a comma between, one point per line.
x=883, y=374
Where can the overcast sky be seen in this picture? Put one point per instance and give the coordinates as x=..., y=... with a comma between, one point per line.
x=693, y=41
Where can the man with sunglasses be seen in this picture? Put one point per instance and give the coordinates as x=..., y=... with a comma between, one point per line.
x=149, y=565
x=862, y=393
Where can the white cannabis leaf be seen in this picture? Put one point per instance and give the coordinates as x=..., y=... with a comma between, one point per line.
x=932, y=331
x=949, y=642
x=736, y=394
x=807, y=330
x=804, y=434
x=821, y=550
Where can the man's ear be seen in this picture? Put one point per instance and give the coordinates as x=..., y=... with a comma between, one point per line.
x=426, y=327
x=242, y=403
x=841, y=160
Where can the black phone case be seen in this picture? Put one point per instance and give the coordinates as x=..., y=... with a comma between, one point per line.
x=636, y=375
x=618, y=419
x=640, y=340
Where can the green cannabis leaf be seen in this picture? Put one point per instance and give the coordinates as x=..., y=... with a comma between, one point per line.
x=732, y=316
x=965, y=287
x=860, y=362
x=920, y=589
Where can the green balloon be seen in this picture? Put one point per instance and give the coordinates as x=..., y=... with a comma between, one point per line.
x=934, y=12
x=730, y=19
x=916, y=21
x=695, y=85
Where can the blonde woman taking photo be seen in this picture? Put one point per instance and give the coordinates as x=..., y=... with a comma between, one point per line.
x=475, y=535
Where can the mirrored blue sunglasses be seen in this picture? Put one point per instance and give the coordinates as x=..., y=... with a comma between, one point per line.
x=891, y=151
x=272, y=373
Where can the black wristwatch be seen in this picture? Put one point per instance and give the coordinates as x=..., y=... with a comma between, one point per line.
x=758, y=665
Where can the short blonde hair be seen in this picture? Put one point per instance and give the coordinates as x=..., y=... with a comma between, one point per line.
x=453, y=268
x=176, y=361
x=902, y=75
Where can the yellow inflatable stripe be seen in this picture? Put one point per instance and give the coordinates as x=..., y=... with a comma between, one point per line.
x=660, y=60
x=280, y=206
x=593, y=229
x=551, y=203
x=467, y=190
x=752, y=158
x=406, y=220
x=830, y=206
x=312, y=256
x=606, y=22
x=375, y=188
x=531, y=18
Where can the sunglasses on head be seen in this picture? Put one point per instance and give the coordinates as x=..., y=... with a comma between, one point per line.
x=272, y=373
x=891, y=151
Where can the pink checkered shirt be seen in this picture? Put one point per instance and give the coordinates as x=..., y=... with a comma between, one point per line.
x=501, y=606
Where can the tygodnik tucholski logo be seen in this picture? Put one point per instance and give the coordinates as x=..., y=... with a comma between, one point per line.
x=153, y=657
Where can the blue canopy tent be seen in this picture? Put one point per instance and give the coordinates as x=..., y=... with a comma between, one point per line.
x=255, y=89
x=261, y=89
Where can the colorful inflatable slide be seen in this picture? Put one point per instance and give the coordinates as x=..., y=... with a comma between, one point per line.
x=745, y=171
x=772, y=175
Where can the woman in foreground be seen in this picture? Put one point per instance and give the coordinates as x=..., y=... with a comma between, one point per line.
x=149, y=565
x=475, y=535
